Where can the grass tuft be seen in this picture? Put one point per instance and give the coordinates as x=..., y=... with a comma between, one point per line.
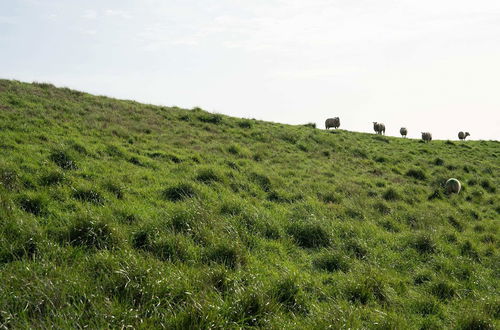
x=210, y=118
x=331, y=262
x=18, y=240
x=115, y=189
x=468, y=250
x=438, y=162
x=62, y=159
x=416, y=174
x=245, y=124
x=91, y=233
x=226, y=254
x=89, y=196
x=427, y=307
x=424, y=244
x=309, y=235
x=179, y=192
x=391, y=195
x=262, y=180
x=486, y=184
x=170, y=248
x=330, y=198
x=289, y=294
x=422, y=278
x=35, y=205
x=475, y=322
x=208, y=176
x=52, y=179
x=443, y=290
x=9, y=178
x=366, y=290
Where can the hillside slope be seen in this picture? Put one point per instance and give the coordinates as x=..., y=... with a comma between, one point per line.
x=115, y=213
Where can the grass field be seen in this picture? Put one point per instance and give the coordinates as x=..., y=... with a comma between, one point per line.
x=115, y=214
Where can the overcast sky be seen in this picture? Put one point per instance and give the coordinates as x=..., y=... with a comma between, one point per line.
x=429, y=65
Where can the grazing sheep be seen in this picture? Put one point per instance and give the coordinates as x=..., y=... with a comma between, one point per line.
x=332, y=122
x=452, y=186
x=462, y=135
x=403, y=131
x=379, y=128
x=426, y=136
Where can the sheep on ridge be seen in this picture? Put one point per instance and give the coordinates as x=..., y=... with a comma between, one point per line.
x=452, y=186
x=462, y=135
x=426, y=136
x=332, y=122
x=379, y=128
x=403, y=131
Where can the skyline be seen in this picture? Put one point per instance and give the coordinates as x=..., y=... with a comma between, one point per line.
x=426, y=66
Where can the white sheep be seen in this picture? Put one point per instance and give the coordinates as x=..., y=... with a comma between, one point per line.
x=379, y=128
x=332, y=122
x=426, y=136
x=452, y=186
x=403, y=131
x=462, y=135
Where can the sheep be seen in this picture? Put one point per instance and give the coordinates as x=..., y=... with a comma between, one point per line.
x=403, y=131
x=462, y=135
x=379, y=128
x=332, y=122
x=452, y=186
x=426, y=136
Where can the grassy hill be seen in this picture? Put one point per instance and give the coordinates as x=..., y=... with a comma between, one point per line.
x=115, y=213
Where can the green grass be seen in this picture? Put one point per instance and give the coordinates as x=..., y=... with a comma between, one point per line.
x=115, y=214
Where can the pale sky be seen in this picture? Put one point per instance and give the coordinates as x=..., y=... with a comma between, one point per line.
x=429, y=65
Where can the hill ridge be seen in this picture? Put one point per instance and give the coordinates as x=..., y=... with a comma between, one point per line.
x=115, y=213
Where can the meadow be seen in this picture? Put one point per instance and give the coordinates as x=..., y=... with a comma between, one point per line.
x=118, y=214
